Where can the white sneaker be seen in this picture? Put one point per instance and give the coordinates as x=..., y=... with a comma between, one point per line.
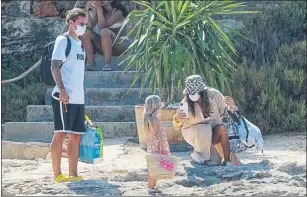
x=197, y=158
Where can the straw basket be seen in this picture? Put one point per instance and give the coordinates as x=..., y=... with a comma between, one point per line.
x=156, y=171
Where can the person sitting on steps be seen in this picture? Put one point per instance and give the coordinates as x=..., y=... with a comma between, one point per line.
x=105, y=18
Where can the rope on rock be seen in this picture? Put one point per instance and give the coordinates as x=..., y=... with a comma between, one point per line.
x=35, y=65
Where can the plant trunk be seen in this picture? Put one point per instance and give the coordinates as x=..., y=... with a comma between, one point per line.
x=185, y=69
x=164, y=96
x=172, y=88
x=162, y=87
x=158, y=77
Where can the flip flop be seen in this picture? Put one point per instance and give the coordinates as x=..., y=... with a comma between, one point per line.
x=61, y=178
x=74, y=178
x=90, y=68
x=154, y=191
x=107, y=69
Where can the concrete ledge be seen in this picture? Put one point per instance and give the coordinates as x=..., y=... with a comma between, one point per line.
x=109, y=79
x=115, y=61
x=124, y=113
x=114, y=96
x=27, y=151
x=110, y=96
x=43, y=131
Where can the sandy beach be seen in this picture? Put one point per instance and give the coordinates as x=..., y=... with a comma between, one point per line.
x=280, y=170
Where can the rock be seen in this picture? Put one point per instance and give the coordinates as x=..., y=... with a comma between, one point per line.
x=223, y=172
x=261, y=175
x=64, y=6
x=275, y=181
x=292, y=169
x=22, y=44
x=15, y=9
x=238, y=183
x=189, y=181
x=45, y=9
x=6, y=193
x=248, y=175
x=233, y=175
x=138, y=175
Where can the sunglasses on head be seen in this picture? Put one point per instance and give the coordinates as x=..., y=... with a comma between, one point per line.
x=81, y=24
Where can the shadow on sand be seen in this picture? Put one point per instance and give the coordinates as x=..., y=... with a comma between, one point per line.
x=94, y=188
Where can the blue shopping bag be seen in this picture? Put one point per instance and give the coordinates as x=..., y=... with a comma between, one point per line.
x=90, y=145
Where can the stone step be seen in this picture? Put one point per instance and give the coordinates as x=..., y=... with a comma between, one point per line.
x=115, y=63
x=43, y=131
x=110, y=96
x=114, y=96
x=44, y=113
x=110, y=79
x=24, y=151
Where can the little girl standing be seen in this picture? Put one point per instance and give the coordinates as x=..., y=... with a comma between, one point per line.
x=156, y=136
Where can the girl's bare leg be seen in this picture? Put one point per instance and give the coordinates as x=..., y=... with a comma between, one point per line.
x=151, y=182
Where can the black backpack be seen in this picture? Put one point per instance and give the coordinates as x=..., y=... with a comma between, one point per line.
x=45, y=65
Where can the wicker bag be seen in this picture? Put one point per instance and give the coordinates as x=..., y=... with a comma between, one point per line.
x=162, y=166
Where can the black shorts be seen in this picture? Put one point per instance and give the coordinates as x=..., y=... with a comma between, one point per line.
x=71, y=121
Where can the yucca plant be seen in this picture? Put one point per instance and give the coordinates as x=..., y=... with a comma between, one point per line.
x=175, y=39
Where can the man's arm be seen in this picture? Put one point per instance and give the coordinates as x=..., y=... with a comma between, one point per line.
x=56, y=73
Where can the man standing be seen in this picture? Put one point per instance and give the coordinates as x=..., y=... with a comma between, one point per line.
x=68, y=95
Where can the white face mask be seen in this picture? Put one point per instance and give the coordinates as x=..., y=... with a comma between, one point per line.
x=80, y=30
x=194, y=97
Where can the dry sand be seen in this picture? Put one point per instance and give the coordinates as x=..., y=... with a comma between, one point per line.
x=280, y=170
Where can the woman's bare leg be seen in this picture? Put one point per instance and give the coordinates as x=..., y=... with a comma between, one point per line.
x=120, y=46
x=106, y=44
x=102, y=44
x=220, y=135
x=109, y=49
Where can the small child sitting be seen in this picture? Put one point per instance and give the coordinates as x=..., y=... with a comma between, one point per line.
x=156, y=137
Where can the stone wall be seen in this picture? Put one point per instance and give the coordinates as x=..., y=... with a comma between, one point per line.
x=29, y=25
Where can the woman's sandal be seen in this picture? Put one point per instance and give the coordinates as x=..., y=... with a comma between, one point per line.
x=107, y=67
x=91, y=68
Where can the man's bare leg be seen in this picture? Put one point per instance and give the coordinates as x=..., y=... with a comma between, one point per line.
x=220, y=135
x=73, y=153
x=56, y=152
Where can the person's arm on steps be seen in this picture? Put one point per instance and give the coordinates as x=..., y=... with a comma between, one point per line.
x=92, y=15
x=99, y=10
